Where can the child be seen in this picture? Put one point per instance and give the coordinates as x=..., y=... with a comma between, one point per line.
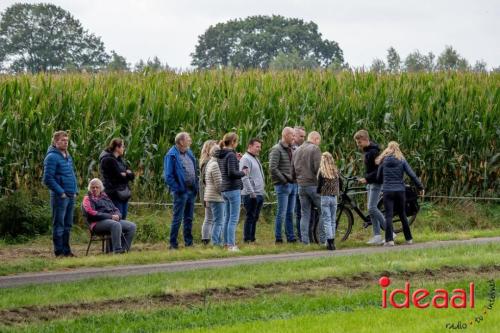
x=328, y=189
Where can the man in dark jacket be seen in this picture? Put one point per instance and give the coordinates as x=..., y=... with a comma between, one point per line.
x=280, y=164
x=59, y=177
x=181, y=178
x=371, y=150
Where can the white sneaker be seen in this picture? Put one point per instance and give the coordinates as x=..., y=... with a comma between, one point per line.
x=375, y=240
x=394, y=235
x=233, y=249
x=390, y=243
x=409, y=242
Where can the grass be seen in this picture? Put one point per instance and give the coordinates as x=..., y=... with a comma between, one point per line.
x=340, y=310
x=98, y=289
x=435, y=222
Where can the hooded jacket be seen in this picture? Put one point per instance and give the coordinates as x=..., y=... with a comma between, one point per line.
x=59, y=173
x=111, y=168
x=230, y=170
x=370, y=154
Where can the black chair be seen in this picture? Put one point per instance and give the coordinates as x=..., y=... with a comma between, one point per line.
x=104, y=238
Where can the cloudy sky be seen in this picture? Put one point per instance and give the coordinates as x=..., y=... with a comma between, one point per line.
x=364, y=29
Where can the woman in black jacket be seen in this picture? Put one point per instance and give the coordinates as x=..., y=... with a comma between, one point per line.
x=116, y=175
x=231, y=187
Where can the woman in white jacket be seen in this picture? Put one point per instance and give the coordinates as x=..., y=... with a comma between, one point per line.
x=213, y=196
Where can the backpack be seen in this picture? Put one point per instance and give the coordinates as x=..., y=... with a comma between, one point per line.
x=412, y=207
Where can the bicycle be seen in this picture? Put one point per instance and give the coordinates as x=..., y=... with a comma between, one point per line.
x=345, y=217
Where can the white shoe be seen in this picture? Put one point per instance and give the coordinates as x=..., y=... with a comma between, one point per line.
x=376, y=240
x=390, y=243
x=394, y=235
x=409, y=242
x=233, y=249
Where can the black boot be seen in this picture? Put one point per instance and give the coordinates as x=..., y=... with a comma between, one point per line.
x=330, y=245
x=205, y=241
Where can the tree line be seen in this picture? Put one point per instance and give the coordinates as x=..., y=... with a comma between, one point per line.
x=46, y=38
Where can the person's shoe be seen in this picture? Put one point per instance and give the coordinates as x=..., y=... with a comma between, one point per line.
x=173, y=247
x=292, y=241
x=330, y=245
x=389, y=243
x=394, y=235
x=409, y=242
x=233, y=248
x=59, y=255
x=71, y=254
x=376, y=240
x=120, y=251
x=279, y=241
x=205, y=241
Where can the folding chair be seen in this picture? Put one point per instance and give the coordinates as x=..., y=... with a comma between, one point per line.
x=104, y=238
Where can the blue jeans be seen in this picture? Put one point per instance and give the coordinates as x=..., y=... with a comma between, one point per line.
x=183, y=212
x=122, y=207
x=232, y=203
x=297, y=211
x=376, y=215
x=252, y=209
x=286, y=203
x=308, y=197
x=328, y=215
x=218, y=221
x=62, y=221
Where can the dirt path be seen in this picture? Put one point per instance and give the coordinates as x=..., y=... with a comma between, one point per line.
x=79, y=274
x=31, y=314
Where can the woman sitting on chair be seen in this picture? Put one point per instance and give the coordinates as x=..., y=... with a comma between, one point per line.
x=104, y=217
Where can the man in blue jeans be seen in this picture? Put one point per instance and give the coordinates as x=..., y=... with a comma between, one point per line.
x=306, y=161
x=182, y=179
x=280, y=164
x=371, y=150
x=298, y=140
x=59, y=177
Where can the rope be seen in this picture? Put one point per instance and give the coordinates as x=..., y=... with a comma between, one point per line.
x=270, y=203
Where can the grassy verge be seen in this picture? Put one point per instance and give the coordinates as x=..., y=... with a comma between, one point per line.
x=99, y=289
x=435, y=222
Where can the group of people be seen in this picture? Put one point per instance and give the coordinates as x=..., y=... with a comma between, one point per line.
x=303, y=178
x=223, y=179
x=105, y=205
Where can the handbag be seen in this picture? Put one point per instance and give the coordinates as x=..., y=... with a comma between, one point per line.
x=124, y=194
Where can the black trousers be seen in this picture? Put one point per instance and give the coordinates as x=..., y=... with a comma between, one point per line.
x=394, y=202
x=252, y=209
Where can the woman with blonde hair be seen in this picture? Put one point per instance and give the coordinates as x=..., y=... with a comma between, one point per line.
x=391, y=171
x=328, y=189
x=206, y=229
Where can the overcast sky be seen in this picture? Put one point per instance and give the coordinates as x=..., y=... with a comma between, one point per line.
x=364, y=29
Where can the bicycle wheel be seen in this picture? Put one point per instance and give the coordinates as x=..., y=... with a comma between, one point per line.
x=344, y=222
x=396, y=221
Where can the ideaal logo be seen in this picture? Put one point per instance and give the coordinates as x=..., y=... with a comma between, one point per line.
x=439, y=299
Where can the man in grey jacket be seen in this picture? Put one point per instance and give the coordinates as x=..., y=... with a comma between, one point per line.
x=253, y=188
x=280, y=164
x=306, y=161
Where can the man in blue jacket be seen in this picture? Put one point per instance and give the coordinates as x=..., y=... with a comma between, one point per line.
x=59, y=177
x=180, y=172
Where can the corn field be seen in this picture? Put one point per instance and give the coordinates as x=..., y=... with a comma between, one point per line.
x=447, y=124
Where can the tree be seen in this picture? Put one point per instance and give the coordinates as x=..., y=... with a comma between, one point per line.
x=292, y=61
x=450, y=60
x=417, y=62
x=45, y=37
x=256, y=41
x=480, y=66
x=378, y=66
x=117, y=63
x=393, y=60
